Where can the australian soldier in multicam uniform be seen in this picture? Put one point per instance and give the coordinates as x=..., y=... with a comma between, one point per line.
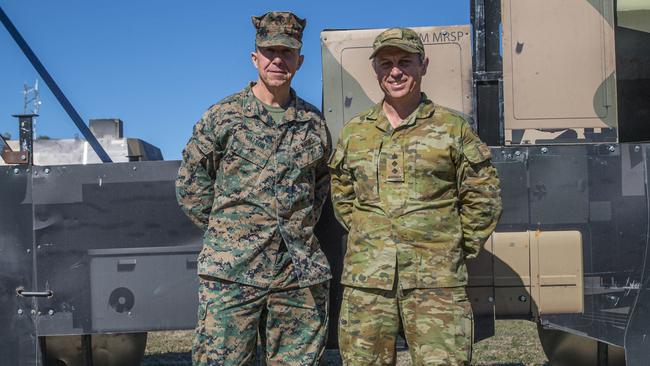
x=254, y=176
x=418, y=194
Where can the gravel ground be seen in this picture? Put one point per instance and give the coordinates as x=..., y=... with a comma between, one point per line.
x=514, y=344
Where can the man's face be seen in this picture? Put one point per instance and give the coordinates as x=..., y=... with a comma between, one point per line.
x=277, y=65
x=399, y=73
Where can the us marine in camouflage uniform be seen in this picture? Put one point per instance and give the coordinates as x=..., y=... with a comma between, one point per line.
x=254, y=177
x=418, y=194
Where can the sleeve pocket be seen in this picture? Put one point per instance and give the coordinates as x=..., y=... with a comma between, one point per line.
x=203, y=310
x=336, y=159
x=477, y=153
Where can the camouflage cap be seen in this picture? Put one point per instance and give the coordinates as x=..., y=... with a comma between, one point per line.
x=279, y=28
x=403, y=38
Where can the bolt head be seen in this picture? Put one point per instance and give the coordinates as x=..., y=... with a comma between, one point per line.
x=611, y=148
x=523, y=298
x=517, y=153
x=47, y=170
x=490, y=299
x=51, y=312
x=637, y=148
x=23, y=157
x=16, y=171
x=544, y=150
x=20, y=311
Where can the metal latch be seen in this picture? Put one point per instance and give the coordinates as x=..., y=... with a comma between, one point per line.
x=20, y=291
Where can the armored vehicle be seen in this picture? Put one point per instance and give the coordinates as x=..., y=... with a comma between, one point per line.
x=560, y=91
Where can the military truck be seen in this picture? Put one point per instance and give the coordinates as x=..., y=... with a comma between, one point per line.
x=558, y=89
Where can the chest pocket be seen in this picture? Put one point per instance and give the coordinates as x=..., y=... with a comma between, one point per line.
x=432, y=168
x=251, y=148
x=363, y=163
x=307, y=154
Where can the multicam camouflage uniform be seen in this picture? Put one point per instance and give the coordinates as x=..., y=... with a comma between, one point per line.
x=257, y=186
x=417, y=201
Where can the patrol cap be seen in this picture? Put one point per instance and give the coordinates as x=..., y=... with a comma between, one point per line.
x=403, y=38
x=279, y=28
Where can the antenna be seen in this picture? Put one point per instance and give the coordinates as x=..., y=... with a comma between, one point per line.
x=31, y=98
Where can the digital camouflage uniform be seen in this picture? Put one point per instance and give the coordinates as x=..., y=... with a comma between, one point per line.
x=417, y=201
x=257, y=186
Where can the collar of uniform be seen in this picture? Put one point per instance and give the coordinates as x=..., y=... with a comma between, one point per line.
x=253, y=107
x=424, y=110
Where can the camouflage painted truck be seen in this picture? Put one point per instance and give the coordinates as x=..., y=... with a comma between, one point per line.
x=560, y=91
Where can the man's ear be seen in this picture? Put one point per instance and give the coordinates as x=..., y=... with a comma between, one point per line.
x=301, y=59
x=254, y=58
x=425, y=65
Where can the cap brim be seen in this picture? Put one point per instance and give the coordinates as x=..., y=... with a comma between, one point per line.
x=279, y=41
x=401, y=46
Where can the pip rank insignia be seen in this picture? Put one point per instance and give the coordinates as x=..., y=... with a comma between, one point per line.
x=395, y=165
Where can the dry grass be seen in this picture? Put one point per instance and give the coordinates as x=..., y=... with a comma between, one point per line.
x=514, y=344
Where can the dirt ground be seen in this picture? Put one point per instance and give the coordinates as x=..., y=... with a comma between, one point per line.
x=514, y=344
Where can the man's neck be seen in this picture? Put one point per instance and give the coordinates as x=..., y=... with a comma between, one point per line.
x=276, y=97
x=397, y=110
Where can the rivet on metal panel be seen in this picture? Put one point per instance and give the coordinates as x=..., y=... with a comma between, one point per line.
x=611, y=148
x=38, y=246
x=47, y=170
x=637, y=148
x=29, y=250
x=129, y=313
x=33, y=312
x=23, y=157
x=16, y=171
x=490, y=299
x=544, y=150
x=523, y=298
x=20, y=311
x=39, y=313
x=50, y=312
x=135, y=168
x=329, y=109
x=509, y=156
x=517, y=153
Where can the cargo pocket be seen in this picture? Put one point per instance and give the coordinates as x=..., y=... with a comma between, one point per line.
x=465, y=321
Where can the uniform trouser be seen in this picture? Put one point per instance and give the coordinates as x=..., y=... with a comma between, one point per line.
x=437, y=324
x=291, y=323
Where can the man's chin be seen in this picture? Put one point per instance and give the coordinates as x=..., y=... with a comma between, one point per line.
x=278, y=82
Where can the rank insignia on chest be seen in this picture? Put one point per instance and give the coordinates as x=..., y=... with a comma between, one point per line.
x=395, y=165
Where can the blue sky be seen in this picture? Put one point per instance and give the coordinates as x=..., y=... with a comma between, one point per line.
x=158, y=65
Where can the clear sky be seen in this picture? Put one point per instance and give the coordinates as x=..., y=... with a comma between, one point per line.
x=158, y=65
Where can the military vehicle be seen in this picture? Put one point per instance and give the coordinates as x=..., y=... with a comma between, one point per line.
x=560, y=91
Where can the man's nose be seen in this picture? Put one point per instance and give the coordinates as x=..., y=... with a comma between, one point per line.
x=276, y=57
x=396, y=72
